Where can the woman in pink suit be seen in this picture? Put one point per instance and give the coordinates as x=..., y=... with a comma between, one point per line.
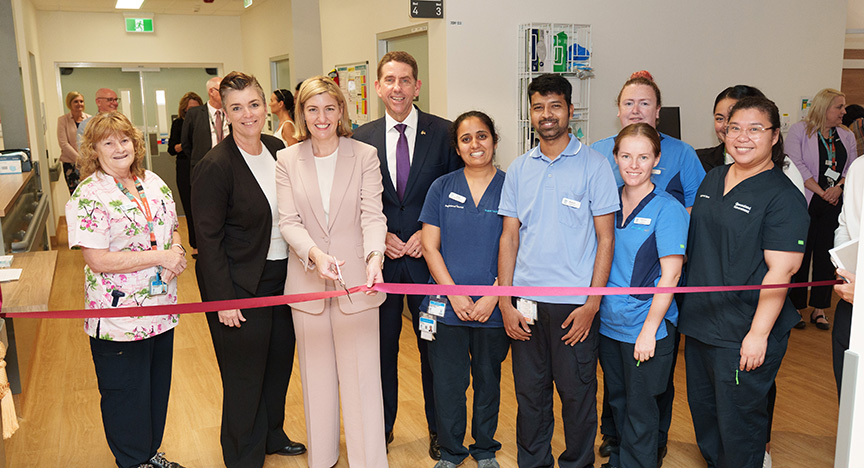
x=329, y=191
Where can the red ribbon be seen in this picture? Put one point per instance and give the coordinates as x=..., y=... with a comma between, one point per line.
x=394, y=288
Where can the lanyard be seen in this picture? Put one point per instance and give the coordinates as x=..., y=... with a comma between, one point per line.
x=829, y=147
x=142, y=205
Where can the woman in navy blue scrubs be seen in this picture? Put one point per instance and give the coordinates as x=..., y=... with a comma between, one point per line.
x=461, y=229
x=747, y=228
x=637, y=332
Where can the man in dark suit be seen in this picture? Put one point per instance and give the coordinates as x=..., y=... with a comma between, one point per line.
x=203, y=128
x=414, y=150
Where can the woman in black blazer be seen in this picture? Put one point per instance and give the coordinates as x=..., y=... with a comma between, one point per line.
x=242, y=255
x=184, y=170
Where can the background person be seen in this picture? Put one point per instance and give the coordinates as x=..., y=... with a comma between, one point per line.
x=736, y=340
x=106, y=101
x=461, y=232
x=183, y=166
x=854, y=121
x=717, y=156
x=822, y=150
x=124, y=219
x=242, y=255
x=637, y=332
x=282, y=106
x=330, y=213
x=67, y=128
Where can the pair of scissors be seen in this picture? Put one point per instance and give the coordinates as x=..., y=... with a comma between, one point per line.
x=341, y=280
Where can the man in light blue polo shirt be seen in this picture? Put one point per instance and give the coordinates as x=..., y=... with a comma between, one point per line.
x=559, y=201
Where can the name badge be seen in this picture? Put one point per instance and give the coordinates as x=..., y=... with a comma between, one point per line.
x=437, y=305
x=832, y=174
x=128, y=206
x=427, y=326
x=571, y=203
x=528, y=309
x=457, y=197
x=655, y=171
x=642, y=221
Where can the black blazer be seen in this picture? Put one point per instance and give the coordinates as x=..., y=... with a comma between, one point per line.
x=712, y=157
x=433, y=157
x=175, y=138
x=196, y=140
x=232, y=220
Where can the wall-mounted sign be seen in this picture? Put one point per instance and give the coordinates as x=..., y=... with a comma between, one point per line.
x=427, y=8
x=139, y=25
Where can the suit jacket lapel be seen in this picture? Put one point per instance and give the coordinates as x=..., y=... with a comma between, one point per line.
x=309, y=179
x=421, y=149
x=342, y=177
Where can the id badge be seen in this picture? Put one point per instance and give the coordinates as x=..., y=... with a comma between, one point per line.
x=832, y=174
x=427, y=326
x=157, y=286
x=437, y=305
x=528, y=309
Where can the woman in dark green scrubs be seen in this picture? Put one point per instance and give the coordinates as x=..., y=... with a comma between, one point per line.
x=748, y=227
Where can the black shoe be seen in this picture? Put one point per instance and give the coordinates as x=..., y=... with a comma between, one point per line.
x=661, y=453
x=609, y=445
x=800, y=325
x=434, y=447
x=291, y=449
x=607, y=465
x=159, y=461
x=819, y=320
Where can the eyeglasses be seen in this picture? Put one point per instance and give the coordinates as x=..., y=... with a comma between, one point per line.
x=109, y=99
x=754, y=133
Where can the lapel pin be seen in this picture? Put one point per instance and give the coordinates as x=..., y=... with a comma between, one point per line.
x=422, y=132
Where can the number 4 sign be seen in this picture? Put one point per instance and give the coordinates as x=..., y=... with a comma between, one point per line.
x=427, y=9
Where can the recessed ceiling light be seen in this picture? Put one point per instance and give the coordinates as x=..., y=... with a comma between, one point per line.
x=128, y=4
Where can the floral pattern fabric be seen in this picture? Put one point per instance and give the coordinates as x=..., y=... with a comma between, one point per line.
x=100, y=216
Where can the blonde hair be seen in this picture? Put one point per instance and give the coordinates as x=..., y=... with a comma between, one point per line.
x=71, y=97
x=100, y=127
x=815, y=120
x=311, y=88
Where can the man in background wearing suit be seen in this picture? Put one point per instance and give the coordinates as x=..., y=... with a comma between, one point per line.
x=203, y=128
x=414, y=150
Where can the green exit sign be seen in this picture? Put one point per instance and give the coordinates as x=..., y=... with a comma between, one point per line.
x=139, y=25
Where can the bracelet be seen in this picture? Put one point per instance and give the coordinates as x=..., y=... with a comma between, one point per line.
x=181, y=248
x=374, y=253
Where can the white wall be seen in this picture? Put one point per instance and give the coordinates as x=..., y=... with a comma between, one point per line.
x=266, y=33
x=349, y=28
x=788, y=48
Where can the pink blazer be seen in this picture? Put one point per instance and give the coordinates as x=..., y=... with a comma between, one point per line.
x=357, y=224
x=67, y=137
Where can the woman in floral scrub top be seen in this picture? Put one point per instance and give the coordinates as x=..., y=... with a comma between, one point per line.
x=125, y=222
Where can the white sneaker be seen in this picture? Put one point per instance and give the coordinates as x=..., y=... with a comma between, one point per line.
x=766, y=462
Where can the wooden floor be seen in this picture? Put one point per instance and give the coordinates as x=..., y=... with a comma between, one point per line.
x=61, y=425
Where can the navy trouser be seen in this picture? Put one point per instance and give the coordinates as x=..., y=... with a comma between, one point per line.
x=634, y=396
x=730, y=407
x=457, y=354
x=390, y=323
x=134, y=381
x=538, y=364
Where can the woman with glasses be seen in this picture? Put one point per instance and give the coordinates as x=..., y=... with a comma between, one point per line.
x=747, y=228
x=822, y=149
